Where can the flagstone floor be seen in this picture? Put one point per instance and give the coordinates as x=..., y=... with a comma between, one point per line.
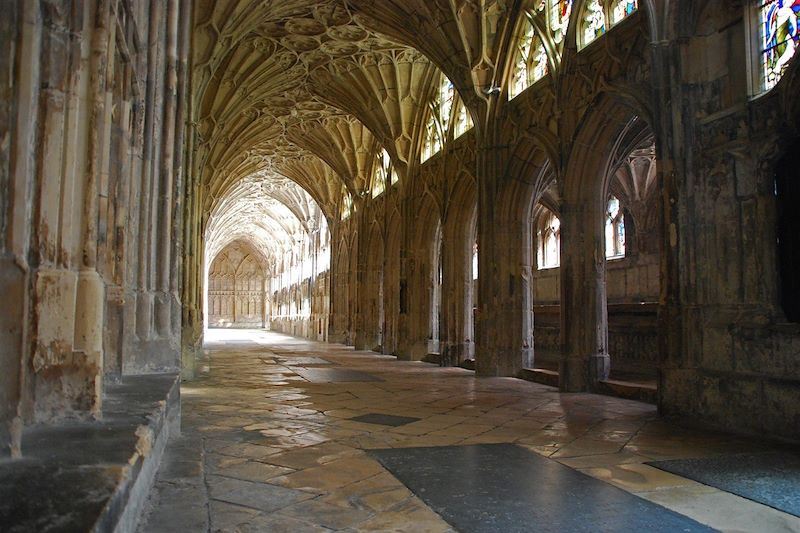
x=268, y=443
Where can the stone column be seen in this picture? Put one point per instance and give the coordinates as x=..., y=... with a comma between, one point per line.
x=163, y=307
x=144, y=298
x=456, y=280
x=416, y=280
x=90, y=297
x=361, y=335
x=584, y=314
x=504, y=343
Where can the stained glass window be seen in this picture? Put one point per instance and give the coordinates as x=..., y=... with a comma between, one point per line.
x=594, y=21
x=779, y=34
x=446, y=96
x=621, y=9
x=615, y=229
x=382, y=169
x=463, y=120
x=531, y=64
x=559, y=18
x=438, y=123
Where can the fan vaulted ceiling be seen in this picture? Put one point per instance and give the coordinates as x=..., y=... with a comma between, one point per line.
x=306, y=91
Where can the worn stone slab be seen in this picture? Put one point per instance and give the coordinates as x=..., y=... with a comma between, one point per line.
x=487, y=488
x=334, y=375
x=261, y=496
x=302, y=361
x=769, y=478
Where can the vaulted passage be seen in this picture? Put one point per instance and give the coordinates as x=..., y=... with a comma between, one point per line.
x=298, y=231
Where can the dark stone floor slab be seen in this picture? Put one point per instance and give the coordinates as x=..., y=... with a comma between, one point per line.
x=302, y=361
x=385, y=420
x=334, y=375
x=769, y=478
x=502, y=487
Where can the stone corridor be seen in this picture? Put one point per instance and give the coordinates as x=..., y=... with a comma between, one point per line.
x=269, y=442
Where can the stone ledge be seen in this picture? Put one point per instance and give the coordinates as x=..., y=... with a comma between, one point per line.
x=641, y=392
x=92, y=476
x=539, y=375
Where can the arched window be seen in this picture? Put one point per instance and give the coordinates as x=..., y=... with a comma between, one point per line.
x=531, y=64
x=557, y=17
x=593, y=21
x=622, y=8
x=548, y=238
x=440, y=116
x=778, y=25
x=347, y=204
x=463, y=120
x=599, y=15
x=615, y=229
x=382, y=170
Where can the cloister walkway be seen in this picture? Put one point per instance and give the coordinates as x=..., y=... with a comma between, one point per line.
x=269, y=442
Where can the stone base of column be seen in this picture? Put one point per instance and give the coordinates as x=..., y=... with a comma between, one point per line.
x=163, y=313
x=599, y=369
x=573, y=375
x=502, y=363
x=413, y=351
x=453, y=354
x=144, y=315
x=367, y=342
x=579, y=374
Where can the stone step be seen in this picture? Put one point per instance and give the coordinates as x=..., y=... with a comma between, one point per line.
x=631, y=390
x=539, y=375
x=642, y=392
x=93, y=476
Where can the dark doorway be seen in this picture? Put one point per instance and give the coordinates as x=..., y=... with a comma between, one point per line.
x=787, y=199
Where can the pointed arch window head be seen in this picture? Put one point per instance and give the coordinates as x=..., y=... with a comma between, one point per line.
x=446, y=98
x=433, y=138
x=593, y=21
x=463, y=120
x=615, y=229
x=548, y=239
x=531, y=64
x=347, y=205
x=778, y=23
x=438, y=123
x=600, y=15
x=621, y=9
x=382, y=171
x=560, y=11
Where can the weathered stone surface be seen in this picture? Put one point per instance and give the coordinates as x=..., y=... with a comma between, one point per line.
x=88, y=476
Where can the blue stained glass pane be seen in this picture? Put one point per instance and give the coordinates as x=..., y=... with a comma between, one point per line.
x=779, y=36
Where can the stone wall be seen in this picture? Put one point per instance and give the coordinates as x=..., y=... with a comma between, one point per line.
x=236, y=289
x=91, y=173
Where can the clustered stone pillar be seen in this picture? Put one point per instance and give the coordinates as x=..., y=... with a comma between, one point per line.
x=77, y=170
x=456, y=343
x=584, y=315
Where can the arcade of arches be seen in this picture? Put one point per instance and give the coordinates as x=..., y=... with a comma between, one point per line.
x=579, y=192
